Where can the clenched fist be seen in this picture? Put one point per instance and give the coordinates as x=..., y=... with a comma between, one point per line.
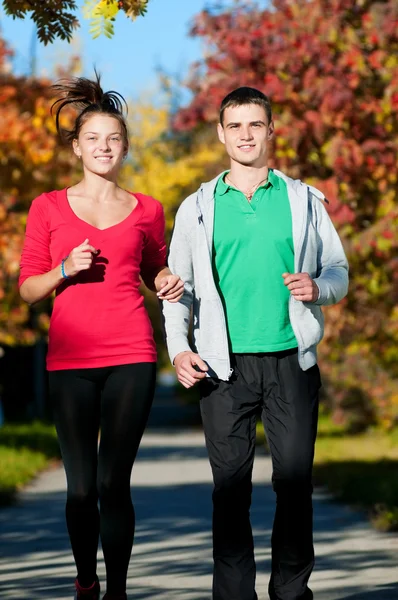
x=301, y=286
x=79, y=259
x=185, y=363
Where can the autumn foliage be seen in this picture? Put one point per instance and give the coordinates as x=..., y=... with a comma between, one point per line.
x=31, y=161
x=330, y=68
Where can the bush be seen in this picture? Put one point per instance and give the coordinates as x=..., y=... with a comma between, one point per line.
x=25, y=450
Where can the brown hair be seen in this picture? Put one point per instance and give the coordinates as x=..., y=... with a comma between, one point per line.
x=246, y=95
x=88, y=98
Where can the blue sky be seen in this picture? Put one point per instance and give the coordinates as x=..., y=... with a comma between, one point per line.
x=129, y=60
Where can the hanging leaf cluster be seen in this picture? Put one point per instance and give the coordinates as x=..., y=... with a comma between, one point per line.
x=102, y=14
x=53, y=18
x=57, y=19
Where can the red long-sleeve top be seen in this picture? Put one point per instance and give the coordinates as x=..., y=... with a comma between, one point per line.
x=98, y=318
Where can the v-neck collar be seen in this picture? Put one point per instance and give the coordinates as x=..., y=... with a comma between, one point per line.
x=87, y=228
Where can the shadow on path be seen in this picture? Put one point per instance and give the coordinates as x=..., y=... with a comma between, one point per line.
x=388, y=592
x=172, y=558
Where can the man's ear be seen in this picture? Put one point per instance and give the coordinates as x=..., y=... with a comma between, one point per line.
x=221, y=135
x=271, y=129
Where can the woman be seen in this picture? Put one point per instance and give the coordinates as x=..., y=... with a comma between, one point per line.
x=90, y=243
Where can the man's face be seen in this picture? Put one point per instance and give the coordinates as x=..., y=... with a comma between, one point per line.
x=246, y=134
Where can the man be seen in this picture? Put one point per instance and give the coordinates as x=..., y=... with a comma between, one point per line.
x=259, y=257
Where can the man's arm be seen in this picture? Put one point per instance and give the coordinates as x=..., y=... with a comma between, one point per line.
x=189, y=366
x=331, y=285
x=177, y=316
x=332, y=280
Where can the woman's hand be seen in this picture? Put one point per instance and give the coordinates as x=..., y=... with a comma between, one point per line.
x=169, y=287
x=79, y=259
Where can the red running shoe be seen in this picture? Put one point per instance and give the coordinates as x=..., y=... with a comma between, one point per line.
x=91, y=593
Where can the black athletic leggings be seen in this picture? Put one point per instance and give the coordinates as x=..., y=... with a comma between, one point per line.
x=116, y=400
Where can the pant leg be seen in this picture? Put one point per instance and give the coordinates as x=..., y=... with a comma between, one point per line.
x=75, y=402
x=229, y=419
x=126, y=402
x=290, y=417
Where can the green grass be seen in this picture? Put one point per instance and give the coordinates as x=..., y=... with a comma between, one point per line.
x=361, y=470
x=25, y=450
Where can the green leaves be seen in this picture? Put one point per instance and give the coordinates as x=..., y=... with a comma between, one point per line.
x=53, y=18
x=57, y=19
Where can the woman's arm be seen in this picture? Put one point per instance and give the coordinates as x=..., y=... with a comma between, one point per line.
x=154, y=272
x=37, y=287
x=168, y=286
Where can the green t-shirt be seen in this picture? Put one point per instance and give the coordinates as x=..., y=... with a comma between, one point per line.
x=252, y=247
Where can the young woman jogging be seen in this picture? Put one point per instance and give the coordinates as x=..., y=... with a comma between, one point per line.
x=91, y=243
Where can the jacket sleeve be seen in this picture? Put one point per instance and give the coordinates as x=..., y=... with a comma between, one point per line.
x=332, y=280
x=177, y=315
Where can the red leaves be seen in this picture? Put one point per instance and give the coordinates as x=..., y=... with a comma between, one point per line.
x=330, y=69
x=29, y=165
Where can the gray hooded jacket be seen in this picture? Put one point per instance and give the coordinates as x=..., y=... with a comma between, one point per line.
x=317, y=251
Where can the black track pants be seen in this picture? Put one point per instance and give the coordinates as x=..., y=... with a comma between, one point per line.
x=287, y=398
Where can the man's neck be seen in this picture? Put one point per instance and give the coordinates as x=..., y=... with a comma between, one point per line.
x=245, y=177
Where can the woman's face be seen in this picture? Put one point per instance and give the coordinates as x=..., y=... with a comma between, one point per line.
x=101, y=145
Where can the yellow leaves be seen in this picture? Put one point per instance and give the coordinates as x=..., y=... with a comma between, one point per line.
x=358, y=347
x=332, y=35
x=106, y=8
x=379, y=172
x=286, y=153
x=50, y=125
x=37, y=122
x=391, y=62
x=102, y=14
x=159, y=166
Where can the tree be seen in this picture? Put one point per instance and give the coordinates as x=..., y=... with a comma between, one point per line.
x=31, y=161
x=57, y=18
x=331, y=70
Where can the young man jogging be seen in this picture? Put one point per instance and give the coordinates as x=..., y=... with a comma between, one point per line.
x=259, y=257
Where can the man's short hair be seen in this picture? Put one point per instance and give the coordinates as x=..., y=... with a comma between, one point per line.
x=246, y=95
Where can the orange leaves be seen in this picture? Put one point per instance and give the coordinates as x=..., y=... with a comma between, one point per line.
x=31, y=161
x=330, y=68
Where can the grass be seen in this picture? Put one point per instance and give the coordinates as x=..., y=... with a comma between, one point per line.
x=25, y=450
x=361, y=470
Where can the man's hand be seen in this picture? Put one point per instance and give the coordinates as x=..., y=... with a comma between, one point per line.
x=301, y=286
x=184, y=363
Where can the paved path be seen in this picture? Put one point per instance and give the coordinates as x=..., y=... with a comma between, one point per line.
x=171, y=487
